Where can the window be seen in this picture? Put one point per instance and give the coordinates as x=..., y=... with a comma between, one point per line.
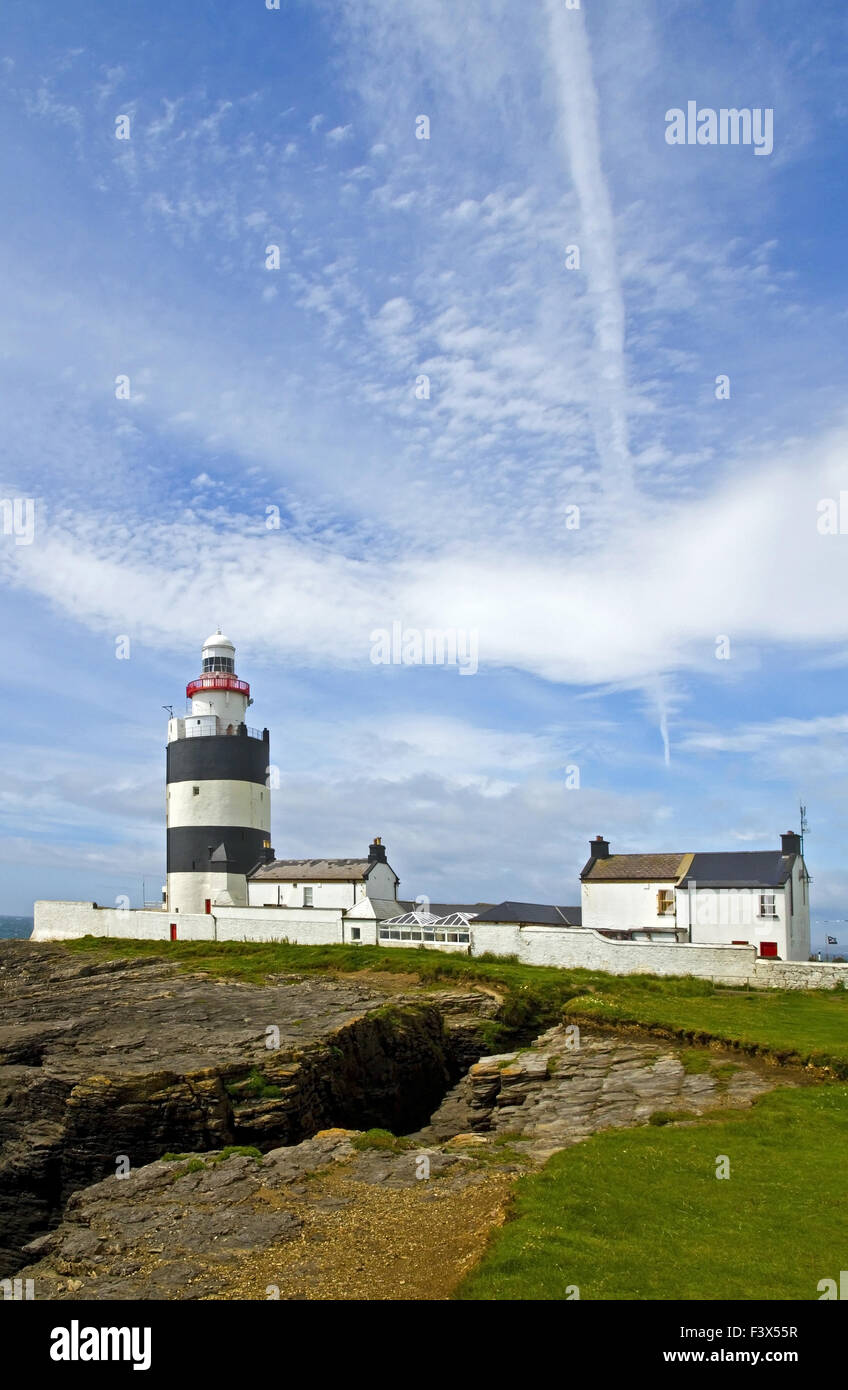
x=665, y=902
x=767, y=905
x=355, y=933
x=195, y=791
x=307, y=897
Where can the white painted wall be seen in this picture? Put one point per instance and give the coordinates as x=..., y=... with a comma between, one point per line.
x=188, y=892
x=724, y=915
x=332, y=894
x=62, y=921
x=192, y=727
x=779, y=974
x=732, y=914
x=799, y=940
x=623, y=905
x=229, y=705
x=310, y=927
x=588, y=950
x=219, y=801
x=381, y=882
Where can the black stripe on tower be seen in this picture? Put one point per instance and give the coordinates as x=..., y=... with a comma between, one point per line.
x=192, y=848
x=220, y=757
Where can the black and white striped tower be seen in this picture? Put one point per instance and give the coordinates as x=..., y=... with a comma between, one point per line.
x=218, y=800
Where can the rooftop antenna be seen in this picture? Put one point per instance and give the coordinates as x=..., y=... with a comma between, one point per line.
x=170, y=709
x=804, y=826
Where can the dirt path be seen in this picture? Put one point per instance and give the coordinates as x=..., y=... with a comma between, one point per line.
x=364, y=1241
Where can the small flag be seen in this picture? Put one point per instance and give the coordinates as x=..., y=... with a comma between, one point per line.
x=831, y=941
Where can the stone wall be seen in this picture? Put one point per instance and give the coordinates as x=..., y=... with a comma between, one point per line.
x=63, y=921
x=305, y=926
x=791, y=974
x=588, y=950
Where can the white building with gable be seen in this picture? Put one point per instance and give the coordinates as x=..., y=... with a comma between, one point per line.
x=754, y=898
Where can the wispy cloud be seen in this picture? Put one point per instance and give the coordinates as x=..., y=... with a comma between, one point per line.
x=424, y=391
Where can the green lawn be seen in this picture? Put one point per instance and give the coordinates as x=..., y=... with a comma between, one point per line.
x=798, y=1025
x=793, y=1025
x=640, y=1214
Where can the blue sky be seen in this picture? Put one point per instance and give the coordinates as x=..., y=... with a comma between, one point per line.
x=550, y=388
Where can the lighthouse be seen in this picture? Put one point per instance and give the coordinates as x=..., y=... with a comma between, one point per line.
x=218, y=799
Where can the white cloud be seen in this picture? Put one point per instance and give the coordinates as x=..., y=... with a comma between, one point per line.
x=628, y=607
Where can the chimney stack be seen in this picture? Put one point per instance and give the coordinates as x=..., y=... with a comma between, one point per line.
x=790, y=843
x=599, y=848
x=377, y=851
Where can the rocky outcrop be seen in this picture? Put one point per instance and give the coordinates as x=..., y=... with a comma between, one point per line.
x=229, y=1225
x=555, y=1093
x=105, y=1066
x=351, y=1215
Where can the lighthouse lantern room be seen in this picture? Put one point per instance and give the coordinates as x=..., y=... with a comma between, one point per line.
x=218, y=800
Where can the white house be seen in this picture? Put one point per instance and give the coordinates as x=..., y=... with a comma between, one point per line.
x=329, y=899
x=751, y=898
x=631, y=895
x=758, y=898
x=333, y=883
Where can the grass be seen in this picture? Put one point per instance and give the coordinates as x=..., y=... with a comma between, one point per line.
x=801, y=1026
x=254, y=1086
x=640, y=1213
x=196, y=1163
x=695, y=1061
x=246, y=1151
x=381, y=1139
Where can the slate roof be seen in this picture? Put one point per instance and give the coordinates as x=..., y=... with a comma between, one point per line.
x=447, y=909
x=537, y=914
x=300, y=870
x=740, y=869
x=625, y=868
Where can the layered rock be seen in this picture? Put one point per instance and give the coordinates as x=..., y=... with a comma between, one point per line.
x=556, y=1093
x=295, y=1223
x=105, y=1066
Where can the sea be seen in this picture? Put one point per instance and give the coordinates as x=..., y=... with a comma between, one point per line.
x=15, y=927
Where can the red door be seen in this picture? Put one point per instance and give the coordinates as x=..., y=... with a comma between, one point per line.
x=768, y=948
x=173, y=931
